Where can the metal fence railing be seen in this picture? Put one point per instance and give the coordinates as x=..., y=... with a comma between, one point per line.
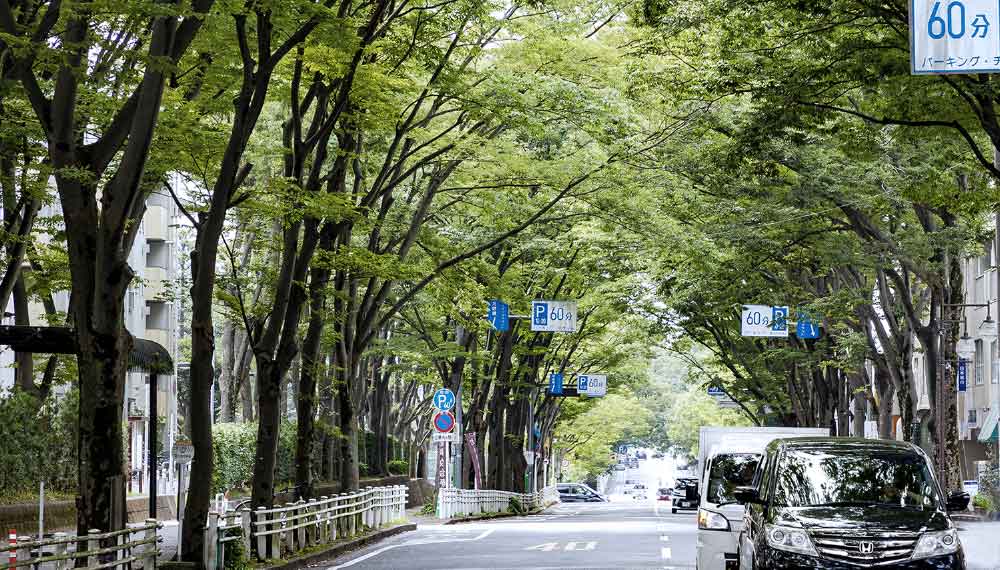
x=133, y=547
x=465, y=502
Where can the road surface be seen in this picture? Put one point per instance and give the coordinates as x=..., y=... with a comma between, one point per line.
x=623, y=533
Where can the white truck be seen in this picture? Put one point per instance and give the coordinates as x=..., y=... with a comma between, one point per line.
x=727, y=458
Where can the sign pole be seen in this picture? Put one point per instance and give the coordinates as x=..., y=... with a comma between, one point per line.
x=458, y=430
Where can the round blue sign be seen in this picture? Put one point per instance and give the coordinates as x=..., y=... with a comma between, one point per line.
x=444, y=399
x=444, y=422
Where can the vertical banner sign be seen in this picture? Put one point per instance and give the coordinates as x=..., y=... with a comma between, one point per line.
x=963, y=375
x=470, y=443
x=441, y=472
x=498, y=315
x=555, y=383
x=954, y=36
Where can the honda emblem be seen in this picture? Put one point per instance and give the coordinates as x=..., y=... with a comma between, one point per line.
x=866, y=547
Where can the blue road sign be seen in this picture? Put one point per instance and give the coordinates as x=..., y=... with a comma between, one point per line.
x=581, y=383
x=963, y=374
x=805, y=327
x=779, y=318
x=499, y=315
x=539, y=314
x=444, y=399
x=715, y=391
x=555, y=383
x=444, y=422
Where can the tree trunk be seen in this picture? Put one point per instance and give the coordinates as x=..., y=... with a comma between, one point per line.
x=227, y=374
x=349, y=475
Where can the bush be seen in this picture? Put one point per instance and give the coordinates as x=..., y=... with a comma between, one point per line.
x=983, y=501
x=399, y=467
x=37, y=443
x=234, y=445
x=515, y=506
x=363, y=469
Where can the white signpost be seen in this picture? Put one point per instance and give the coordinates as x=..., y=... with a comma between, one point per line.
x=954, y=36
x=553, y=316
x=764, y=321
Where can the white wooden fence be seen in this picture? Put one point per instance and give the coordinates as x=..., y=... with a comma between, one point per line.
x=464, y=502
x=282, y=531
x=133, y=547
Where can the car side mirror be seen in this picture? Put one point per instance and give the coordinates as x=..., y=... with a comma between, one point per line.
x=958, y=501
x=746, y=495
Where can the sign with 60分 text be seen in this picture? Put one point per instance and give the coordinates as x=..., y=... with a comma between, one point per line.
x=954, y=36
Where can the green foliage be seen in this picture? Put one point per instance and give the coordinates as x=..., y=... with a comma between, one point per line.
x=37, y=443
x=515, y=506
x=234, y=445
x=983, y=502
x=399, y=467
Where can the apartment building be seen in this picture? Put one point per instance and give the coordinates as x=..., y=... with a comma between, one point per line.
x=150, y=313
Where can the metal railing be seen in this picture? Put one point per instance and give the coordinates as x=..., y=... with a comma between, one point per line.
x=466, y=502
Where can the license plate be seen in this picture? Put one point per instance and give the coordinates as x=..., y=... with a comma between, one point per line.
x=684, y=504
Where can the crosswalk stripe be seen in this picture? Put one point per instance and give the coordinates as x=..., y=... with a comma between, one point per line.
x=665, y=553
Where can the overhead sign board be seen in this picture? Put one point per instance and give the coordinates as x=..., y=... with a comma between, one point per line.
x=555, y=383
x=592, y=385
x=444, y=399
x=954, y=36
x=444, y=422
x=806, y=327
x=553, y=316
x=498, y=314
x=764, y=321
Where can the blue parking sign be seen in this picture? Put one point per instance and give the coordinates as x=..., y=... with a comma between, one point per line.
x=539, y=314
x=581, y=383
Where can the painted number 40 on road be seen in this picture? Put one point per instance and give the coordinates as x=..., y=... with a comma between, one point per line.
x=954, y=36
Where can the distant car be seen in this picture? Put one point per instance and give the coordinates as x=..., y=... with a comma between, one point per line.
x=664, y=493
x=640, y=455
x=578, y=493
x=619, y=466
x=684, y=500
x=657, y=455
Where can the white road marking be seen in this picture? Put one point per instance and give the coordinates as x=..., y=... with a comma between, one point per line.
x=547, y=547
x=586, y=546
x=482, y=535
x=665, y=553
x=665, y=538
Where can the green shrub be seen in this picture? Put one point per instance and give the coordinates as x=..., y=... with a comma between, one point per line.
x=515, y=506
x=983, y=501
x=430, y=505
x=399, y=467
x=37, y=443
x=363, y=469
x=235, y=444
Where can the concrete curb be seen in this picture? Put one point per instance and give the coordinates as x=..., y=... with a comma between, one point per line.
x=340, y=549
x=492, y=516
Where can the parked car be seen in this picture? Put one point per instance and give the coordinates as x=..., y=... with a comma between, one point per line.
x=685, y=495
x=664, y=493
x=640, y=455
x=657, y=455
x=578, y=493
x=844, y=503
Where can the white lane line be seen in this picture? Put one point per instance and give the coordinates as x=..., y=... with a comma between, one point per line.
x=407, y=543
x=665, y=553
x=665, y=538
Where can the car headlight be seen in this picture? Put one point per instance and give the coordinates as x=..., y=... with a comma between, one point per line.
x=936, y=544
x=707, y=520
x=790, y=539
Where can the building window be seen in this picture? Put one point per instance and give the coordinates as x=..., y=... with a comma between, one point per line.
x=979, y=363
x=994, y=362
x=973, y=418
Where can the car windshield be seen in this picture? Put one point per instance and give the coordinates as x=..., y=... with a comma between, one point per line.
x=728, y=471
x=817, y=477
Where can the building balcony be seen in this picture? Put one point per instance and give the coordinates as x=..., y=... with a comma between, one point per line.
x=155, y=279
x=156, y=223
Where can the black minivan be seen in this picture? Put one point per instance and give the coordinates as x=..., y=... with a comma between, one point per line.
x=841, y=503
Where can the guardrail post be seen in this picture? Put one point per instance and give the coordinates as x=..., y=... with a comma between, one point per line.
x=93, y=545
x=60, y=550
x=323, y=519
x=259, y=526
x=245, y=529
x=298, y=519
x=150, y=549
x=212, y=541
x=23, y=552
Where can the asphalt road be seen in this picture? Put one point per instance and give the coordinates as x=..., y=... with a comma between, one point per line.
x=624, y=533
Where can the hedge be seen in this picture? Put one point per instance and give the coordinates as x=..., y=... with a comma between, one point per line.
x=234, y=445
x=37, y=443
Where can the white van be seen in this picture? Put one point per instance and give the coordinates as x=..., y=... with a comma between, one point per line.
x=729, y=462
